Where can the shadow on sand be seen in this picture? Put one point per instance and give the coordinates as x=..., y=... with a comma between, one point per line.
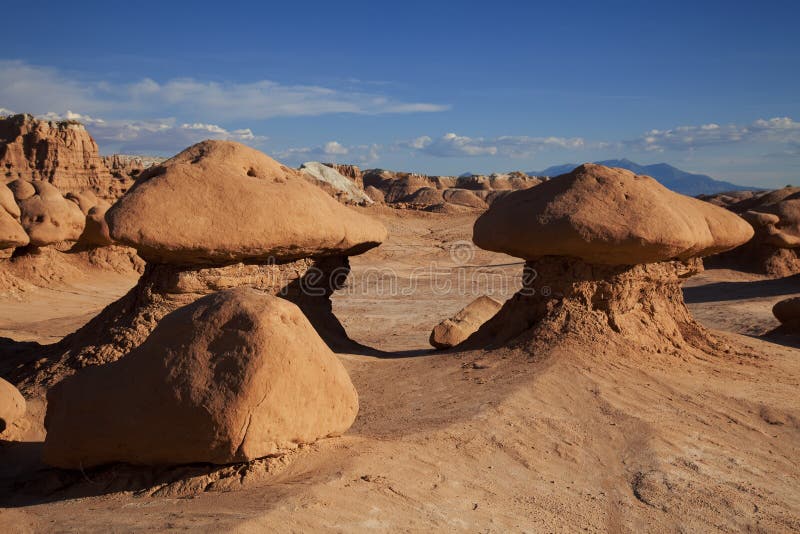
x=26, y=481
x=723, y=291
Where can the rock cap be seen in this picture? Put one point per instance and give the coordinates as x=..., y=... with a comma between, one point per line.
x=221, y=202
x=608, y=216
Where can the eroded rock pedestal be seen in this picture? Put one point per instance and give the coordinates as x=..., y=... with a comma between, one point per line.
x=125, y=324
x=605, y=252
x=644, y=303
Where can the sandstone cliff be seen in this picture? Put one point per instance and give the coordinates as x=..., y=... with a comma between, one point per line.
x=62, y=153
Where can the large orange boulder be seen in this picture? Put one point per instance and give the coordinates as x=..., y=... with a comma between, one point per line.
x=609, y=216
x=234, y=376
x=221, y=202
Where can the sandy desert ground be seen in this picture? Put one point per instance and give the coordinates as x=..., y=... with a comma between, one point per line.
x=579, y=438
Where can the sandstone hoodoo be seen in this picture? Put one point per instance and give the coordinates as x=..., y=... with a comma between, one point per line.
x=47, y=217
x=235, y=376
x=12, y=405
x=775, y=218
x=605, y=250
x=221, y=202
x=463, y=324
x=217, y=216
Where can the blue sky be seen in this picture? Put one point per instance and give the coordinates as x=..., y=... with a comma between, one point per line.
x=436, y=87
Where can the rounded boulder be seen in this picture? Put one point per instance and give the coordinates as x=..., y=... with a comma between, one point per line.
x=234, y=376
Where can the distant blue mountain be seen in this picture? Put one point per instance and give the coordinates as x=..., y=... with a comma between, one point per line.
x=670, y=177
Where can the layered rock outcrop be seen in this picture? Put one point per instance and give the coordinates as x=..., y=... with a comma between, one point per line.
x=339, y=186
x=232, y=377
x=59, y=152
x=605, y=253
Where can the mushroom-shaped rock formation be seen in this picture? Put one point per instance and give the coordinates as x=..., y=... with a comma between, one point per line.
x=607, y=216
x=463, y=324
x=787, y=311
x=12, y=234
x=47, y=217
x=12, y=405
x=336, y=184
x=606, y=251
x=221, y=202
x=775, y=217
x=217, y=216
x=235, y=376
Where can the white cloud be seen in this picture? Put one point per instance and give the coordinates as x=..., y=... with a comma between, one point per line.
x=335, y=148
x=775, y=130
x=39, y=90
x=154, y=136
x=331, y=152
x=72, y=116
x=453, y=145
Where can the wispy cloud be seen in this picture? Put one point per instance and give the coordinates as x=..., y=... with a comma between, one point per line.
x=154, y=136
x=38, y=90
x=453, y=145
x=331, y=152
x=775, y=130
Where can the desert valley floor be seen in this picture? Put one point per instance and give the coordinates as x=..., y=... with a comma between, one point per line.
x=590, y=438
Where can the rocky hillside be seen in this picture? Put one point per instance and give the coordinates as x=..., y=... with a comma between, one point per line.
x=64, y=154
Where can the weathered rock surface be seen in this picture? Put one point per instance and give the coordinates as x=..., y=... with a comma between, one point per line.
x=607, y=216
x=606, y=251
x=12, y=405
x=375, y=194
x=351, y=171
x=463, y=324
x=125, y=324
x=12, y=235
x=85, y=200
x=340, y=186
x=642, y=304
x=59, y=152
x=787, y=311
x=47, y=217
x=222, y=202
x=96, y=233
x=235, y=376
